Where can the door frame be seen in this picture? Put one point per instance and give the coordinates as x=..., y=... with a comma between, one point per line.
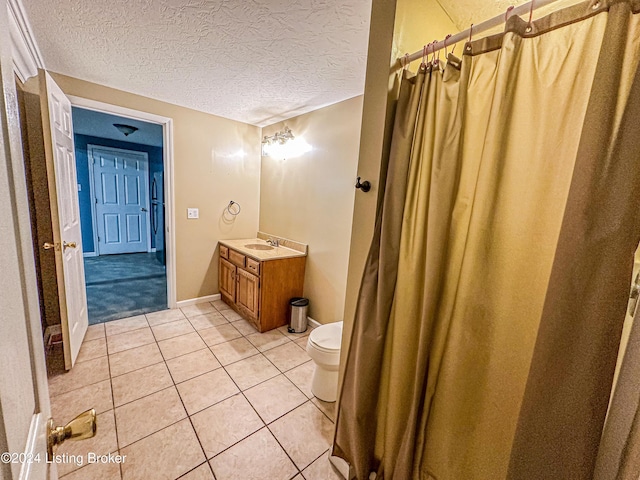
x=147, y=200
x=168, y=166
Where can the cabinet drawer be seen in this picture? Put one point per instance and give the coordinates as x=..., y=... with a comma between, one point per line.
x=253, y=265
x=237, y=258
x=224, y=251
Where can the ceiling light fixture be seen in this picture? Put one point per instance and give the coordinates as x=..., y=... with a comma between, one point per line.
x=284, y=145
x=126, y=129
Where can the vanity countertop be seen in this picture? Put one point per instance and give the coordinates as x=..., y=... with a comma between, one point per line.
x=274, y=253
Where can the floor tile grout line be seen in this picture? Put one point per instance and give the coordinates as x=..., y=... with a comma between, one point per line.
x=315, y=460
x=136, y=369
x=274, y=436
x=265, y=426
x=134, y=329
x=131, y=348
x=322, y=411
x=195, y=468
x=148, y=395
x=113, y=404
x=193, y=427
x=227, y=398
x=299, y=471
x=80, y=386
x=145, y=396
x=156, y=431
x=284, y=450
x=195, y=376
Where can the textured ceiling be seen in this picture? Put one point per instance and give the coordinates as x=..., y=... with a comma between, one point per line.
x=98, y=124
x=256, y=61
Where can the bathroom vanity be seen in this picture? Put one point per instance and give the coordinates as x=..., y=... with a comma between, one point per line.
x=257, y=279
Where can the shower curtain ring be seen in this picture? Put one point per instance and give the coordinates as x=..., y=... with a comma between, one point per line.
x=468, y=47
x=433, y=52
x=529, y=26
x=425, y=53
x=506, y=14
x=446, y=53
x=405, y=61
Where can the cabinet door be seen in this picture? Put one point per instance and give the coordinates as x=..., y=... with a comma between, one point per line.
x=247, y=293
x=227, y=277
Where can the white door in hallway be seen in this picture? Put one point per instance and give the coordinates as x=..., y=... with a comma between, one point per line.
x=65, y=215
x=121, y=195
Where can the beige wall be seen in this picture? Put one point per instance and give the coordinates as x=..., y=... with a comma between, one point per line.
x=310, y=199
x=216, y=160
x=397, y=27
x=419, y=22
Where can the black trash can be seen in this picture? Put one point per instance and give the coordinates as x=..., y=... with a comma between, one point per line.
x=298, y=314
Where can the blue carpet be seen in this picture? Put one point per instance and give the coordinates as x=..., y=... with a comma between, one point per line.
x=120, y=286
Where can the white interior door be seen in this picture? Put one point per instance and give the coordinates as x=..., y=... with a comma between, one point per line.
x=121, y=190
x=65, y=215
x=24, y=395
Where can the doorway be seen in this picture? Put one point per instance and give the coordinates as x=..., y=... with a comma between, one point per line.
x=120, y=175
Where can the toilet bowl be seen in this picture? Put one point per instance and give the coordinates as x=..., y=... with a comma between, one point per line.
x=323, y=347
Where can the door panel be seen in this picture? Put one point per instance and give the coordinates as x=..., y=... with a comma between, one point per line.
x=65, y=213
x=121, y=189
x=134, y=229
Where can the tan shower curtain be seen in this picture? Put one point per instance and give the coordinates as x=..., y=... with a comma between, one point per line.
x=491, y=307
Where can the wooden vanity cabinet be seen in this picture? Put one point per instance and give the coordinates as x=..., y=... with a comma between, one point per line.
x=227, y=279
x=260, y=290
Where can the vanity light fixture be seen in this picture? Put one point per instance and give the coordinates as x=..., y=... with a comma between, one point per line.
x=284, y=145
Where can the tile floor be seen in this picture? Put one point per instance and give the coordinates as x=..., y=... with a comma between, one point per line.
x=198, y=394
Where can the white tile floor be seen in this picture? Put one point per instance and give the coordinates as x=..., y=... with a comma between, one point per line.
x=198, y=394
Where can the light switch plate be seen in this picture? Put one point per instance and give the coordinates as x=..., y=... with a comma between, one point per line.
x=193, y=213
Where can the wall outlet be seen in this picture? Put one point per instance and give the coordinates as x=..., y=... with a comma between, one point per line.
x=193, y=213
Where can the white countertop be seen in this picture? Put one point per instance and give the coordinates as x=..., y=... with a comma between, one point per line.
x=261, y=255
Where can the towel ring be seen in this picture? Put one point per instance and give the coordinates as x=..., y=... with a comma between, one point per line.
x=233, y=208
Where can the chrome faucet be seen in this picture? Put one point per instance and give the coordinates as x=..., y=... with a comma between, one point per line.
x=273, y=242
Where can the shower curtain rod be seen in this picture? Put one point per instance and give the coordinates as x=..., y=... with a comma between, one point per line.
x=481, y=27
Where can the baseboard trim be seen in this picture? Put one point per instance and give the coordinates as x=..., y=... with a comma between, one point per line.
x=313, y=323
x=89, y=254
x=194, y=301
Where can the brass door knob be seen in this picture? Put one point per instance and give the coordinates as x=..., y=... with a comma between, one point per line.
x=49, y=246
x=66, y=245
x=82, y=427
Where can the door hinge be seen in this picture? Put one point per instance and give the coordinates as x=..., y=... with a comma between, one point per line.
x=98, y=238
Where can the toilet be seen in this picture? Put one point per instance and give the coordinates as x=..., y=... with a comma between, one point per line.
x=323, y=347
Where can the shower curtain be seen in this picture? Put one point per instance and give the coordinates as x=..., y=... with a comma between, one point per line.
x=493, y=298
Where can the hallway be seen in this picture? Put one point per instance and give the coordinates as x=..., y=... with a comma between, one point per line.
x=120, y=286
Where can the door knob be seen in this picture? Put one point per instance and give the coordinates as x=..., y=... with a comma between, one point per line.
x=66, y=245
x=80, y=428
x=143, y=209
x=49, y=246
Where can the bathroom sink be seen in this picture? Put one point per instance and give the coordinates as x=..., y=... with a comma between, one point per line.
x=258, y=246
